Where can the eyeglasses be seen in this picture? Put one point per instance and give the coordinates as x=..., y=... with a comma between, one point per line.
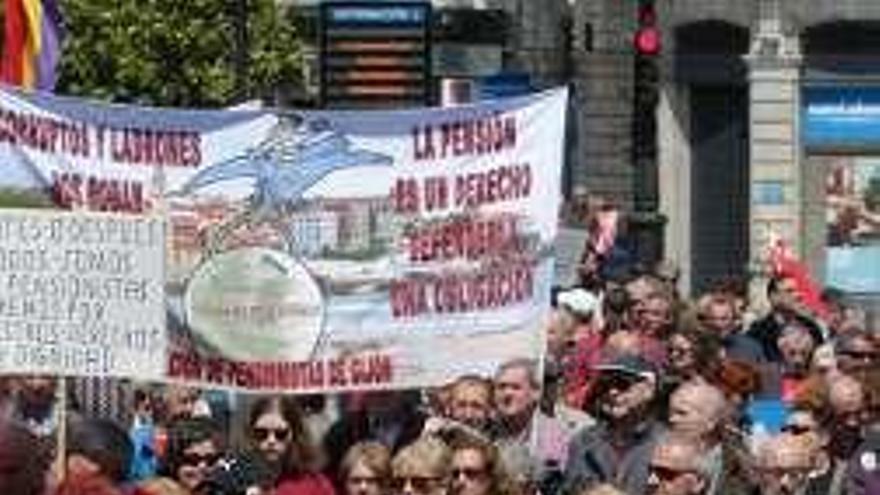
x=796, y=429
x=280, y=434
x=418, y=483
x=199, y=459
x=859, y=355
x=363, y=480
x=468, y=473
x=664, y=473
x=617, y=382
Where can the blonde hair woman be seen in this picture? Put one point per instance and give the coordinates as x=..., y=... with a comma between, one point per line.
x=422, y=468
x=366, y=469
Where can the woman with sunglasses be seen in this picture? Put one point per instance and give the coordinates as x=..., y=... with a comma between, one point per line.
x=366, y=469
x=477, y=468
x=421, y=468
x=194, y=447
x=280, y=438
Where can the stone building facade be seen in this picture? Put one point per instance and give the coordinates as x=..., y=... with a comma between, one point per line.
x=739, y=161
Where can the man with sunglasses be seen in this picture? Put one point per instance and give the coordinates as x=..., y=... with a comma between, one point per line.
x=855, y=352
x=678, y=467
x=617, y=449
x=785, y=464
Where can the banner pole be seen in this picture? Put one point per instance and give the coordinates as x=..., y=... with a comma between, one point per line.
x=61, y=434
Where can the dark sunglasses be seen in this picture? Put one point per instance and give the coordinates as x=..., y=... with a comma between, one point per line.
x=664, y=473
x=199, y=459
x=418, y=483
x=796, y=429
x=469, y=474
x=617, y=382
x=280, y=434
x=859, y=355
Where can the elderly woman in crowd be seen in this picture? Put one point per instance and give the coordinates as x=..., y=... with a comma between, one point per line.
x=280, y=438
x=366, y=469
x=194, y=447
x=477, y=468
x=422, y=468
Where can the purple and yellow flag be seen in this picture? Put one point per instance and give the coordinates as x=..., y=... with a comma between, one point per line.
x=32, y=46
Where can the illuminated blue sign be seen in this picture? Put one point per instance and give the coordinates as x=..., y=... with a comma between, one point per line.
x=384, y=15
x=841, y=117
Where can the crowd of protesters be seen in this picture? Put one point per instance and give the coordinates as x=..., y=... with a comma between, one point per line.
x=640, y=391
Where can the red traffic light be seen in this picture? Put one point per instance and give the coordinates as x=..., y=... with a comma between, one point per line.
x=647, y=41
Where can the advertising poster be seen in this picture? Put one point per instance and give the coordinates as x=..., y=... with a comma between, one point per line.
x=852, y=192
x=301, y=251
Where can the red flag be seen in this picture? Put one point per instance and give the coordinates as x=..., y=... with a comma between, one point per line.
x=784, y=264
x=14, y=43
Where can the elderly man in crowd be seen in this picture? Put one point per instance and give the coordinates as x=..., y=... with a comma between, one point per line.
x=698, y=411
x=618, y=447
x=679, y=467
x=856, y=351
x=786, y=464
x=850, y=417
x=531, y=444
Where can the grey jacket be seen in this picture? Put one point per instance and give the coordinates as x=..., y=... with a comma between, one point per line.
x=592, y=459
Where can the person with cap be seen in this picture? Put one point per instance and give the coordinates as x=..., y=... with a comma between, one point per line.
x=617, y=449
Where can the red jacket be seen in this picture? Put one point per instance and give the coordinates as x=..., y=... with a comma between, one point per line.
x=306, y=484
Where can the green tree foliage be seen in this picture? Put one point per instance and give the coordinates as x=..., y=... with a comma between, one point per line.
x=178, y=52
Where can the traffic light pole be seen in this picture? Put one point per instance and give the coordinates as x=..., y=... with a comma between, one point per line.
x=646, y=223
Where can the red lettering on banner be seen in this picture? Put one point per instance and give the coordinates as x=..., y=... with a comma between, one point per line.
x=316, y=375
x=463, y=238
x=73, y=190
x=499, y=184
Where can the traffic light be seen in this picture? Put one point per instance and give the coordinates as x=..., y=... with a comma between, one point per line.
x=647, y=39
x=646, y=78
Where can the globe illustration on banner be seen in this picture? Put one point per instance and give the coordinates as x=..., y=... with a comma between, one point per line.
x=256, y=304
x=259, y=302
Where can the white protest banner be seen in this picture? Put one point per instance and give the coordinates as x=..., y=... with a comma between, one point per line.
x=81, y=294
x=319, y=251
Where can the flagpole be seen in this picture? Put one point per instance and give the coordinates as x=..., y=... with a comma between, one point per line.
x=61, y=430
